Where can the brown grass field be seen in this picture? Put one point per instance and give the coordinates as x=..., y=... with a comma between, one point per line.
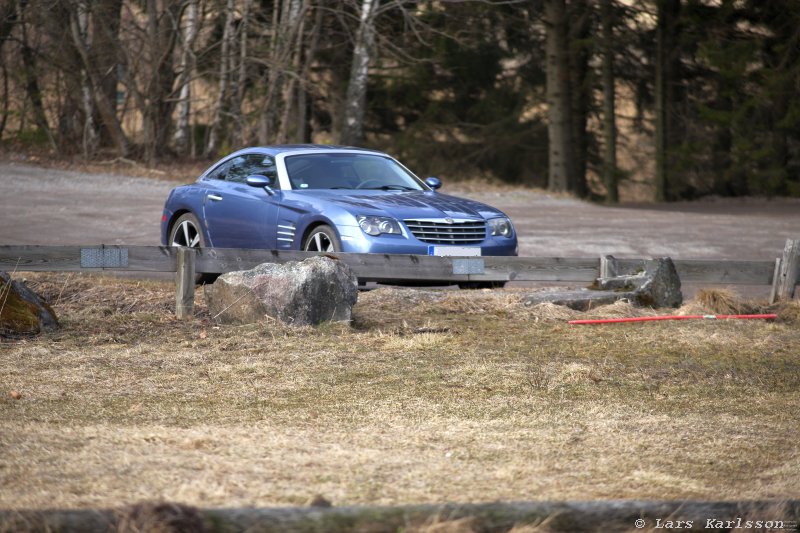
x=428, y=396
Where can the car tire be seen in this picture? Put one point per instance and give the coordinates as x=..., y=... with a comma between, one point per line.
x=186, y=232
x=322, y=239
x=482, y=285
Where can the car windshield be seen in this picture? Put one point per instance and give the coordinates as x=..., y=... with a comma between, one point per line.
x=349, y=171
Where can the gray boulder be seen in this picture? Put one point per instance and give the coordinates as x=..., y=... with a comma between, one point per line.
x=655, y=283
x=316, y=290
x=661, y=286
x=22, y=311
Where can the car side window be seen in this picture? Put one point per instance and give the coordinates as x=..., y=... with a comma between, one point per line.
x=237, y=172
x=250, y=164
x=265, y=166
x=219, y=172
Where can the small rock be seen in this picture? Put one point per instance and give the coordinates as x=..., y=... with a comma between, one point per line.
x=15, y=395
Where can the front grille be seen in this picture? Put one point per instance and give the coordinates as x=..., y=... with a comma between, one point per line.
x=441, y=232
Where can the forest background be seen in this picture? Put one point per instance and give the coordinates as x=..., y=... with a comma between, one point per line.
x=605, y=99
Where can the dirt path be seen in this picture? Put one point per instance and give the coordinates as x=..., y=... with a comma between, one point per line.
x=47, y=206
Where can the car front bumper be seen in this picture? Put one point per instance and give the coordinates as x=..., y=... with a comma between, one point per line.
x=354, y=240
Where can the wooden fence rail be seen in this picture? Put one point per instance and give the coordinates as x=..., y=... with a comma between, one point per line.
x=782, y=273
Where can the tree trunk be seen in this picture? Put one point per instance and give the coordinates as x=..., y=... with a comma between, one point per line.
x=609, y=104
x=4, y=116
x=266, y=116
x=162, y=34
x=559, y=102
x=187, y=63
x=296, y=23
x=30, y=73
x=667, y=65
x=356, y=98
x=240, y=88
x=580, y=52
x=105, y=45
x=224, y=73
x=104, y=108
x=8, y=18
x=89, y=137
x=303, y=134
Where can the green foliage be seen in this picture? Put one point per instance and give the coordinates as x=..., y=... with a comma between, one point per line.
x=460, y=110
x=742, y=119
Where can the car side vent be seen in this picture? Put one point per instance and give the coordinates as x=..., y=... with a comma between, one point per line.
x=448, y=231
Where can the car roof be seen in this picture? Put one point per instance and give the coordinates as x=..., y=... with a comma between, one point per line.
x=283, y=148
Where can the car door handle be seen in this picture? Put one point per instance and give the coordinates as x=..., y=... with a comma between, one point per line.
x=214, y=197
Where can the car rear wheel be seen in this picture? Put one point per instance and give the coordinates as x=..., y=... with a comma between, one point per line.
x=186, y=232
x=482, y=285
x=322, y=239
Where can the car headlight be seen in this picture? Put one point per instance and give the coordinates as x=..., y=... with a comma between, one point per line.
x=377, y=225
x=500, y=227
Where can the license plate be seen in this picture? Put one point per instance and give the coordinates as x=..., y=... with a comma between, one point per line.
x=454, y=251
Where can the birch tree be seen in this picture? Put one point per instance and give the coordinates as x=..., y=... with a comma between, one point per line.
x=89, y=138
x=186, y=68
x=282, y=69
x=356, y=98
x=239, y=87
x=296, y=22
x=220, y=109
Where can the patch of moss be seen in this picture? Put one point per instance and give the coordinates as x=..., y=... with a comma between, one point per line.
x=17, y=315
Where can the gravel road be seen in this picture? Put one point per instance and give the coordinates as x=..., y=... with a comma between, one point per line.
x=47, y=206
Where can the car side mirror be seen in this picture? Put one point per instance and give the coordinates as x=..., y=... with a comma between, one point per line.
x=433, y=182
x=261, y=181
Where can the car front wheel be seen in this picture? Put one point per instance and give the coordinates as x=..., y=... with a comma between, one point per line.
x=186, y=232
x=322, y=239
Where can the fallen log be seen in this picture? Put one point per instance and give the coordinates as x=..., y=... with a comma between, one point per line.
x=588, y=516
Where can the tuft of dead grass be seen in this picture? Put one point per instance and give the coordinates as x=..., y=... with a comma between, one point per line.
x=552, y=312
x=719, y=301
x=789, y=312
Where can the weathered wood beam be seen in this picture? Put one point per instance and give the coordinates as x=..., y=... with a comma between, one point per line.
x=381, y=267
x=711, y=271
x=587, y=517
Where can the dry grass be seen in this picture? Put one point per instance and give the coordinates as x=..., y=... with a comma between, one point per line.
x=430, y=396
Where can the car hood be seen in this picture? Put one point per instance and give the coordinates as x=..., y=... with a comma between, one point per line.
x=406, y=205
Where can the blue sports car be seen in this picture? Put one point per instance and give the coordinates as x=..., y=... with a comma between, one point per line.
x=332, y=199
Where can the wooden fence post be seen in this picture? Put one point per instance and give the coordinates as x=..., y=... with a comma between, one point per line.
x=608, y=267
x=776, y=278
x=184, y=283
x=790, y=269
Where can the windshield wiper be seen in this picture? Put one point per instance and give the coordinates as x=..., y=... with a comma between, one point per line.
x=390, y=188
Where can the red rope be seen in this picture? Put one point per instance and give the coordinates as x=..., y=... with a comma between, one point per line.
x=672, y=317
